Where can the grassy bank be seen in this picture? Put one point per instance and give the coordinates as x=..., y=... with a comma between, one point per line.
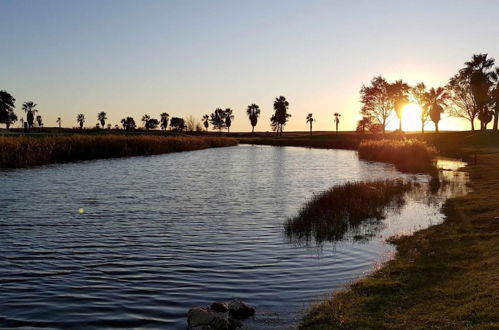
x=330, y=214
x=24, y=151
x=446, y=276
x=408, y=155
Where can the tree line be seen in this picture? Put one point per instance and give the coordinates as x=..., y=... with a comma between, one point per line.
x=472, y=93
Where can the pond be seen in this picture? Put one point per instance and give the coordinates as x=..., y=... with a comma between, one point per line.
x=136, y=242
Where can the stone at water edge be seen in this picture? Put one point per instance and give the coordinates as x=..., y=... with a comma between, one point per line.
x=199, y=317
x=219, y=307
x=240, y=310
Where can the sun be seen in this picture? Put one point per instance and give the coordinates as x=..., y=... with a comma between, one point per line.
x=411, y=117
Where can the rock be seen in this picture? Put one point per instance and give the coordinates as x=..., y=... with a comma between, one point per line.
x=219, y=307
x=200, y=318
x=240, y=310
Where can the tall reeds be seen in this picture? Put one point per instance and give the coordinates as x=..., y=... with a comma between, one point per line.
x=32, y=151
x=408, y=155
x=328, y=216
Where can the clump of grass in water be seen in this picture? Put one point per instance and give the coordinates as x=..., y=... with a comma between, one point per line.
x=31, y=151
x=330, y=215
x=408, y=155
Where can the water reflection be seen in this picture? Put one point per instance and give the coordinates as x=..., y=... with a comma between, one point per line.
x=164, y=233
x=315, y=225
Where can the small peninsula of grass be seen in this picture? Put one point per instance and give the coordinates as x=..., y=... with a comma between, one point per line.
x=329, y=215
x=25, y=151
x=408, y=155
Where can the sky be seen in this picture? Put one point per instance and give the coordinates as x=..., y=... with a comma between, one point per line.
x=129, y=57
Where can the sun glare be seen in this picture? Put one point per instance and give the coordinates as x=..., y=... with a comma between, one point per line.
x=411, y=117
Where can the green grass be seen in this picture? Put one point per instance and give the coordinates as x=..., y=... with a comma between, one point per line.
x=25, y=151
x=332, y=213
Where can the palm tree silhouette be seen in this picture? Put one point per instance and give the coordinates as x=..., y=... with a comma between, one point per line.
x=228, y=118
x=310, y=120
x=281, y=115
x=30, y=110
x=39, y=121
x=101, y=117
x=337, y=116
x=145, y=120
x=59, y=121
x=436, y=100
x=253, y=112
x=164, y=117
x=478, y=69
x=80, y=119
x=206, y=122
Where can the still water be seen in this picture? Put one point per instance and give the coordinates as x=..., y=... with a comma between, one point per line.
x=135, y=242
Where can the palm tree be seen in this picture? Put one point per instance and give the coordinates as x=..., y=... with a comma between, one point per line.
x=253, y=112
x=228, y=118
x=145, y=120
x=398, y=95
x=101, y=117
x=164, y=117
x=39, y=121
x=310, y=120
x=59, y=121
x=337, y=116
x=80, y=119
x=437, y=101
x=478, y=69
x=30, y=110
x=281, y=115
x=206, y=122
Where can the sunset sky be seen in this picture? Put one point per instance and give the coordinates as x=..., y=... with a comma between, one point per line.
x=129, y=58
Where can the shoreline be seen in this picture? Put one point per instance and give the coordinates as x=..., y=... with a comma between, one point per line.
x=444, y=276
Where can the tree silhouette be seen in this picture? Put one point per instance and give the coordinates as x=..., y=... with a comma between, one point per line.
x=206, y=122
x=337, y=116
x=145, y=120
x=420, y=94
x=363, y=125
x=30, y=110
x=59, y=121
x=128, y=123
x=462, y=103
x=377, y=102
x=164, y=117
x=39, y=121
x=495, y=98
x=437, y=99
x=398, y=93
x=310, y=120
x=281, y=114
x=7, y=105
x=178, y=124
x=228, y=118
x=217, y=119
x=80, y=119
x=102, y=117
x=253, y=112
x=481, y=77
